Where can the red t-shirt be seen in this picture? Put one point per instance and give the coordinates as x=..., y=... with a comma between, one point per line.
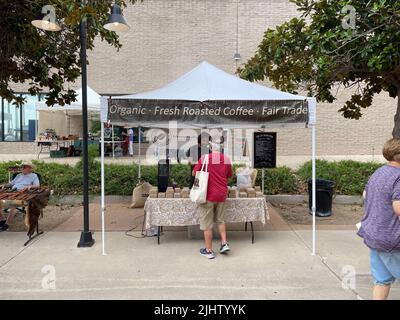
x=220, y=170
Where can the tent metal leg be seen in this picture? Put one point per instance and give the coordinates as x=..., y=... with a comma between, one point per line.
x=252, y=229
x=252, y=232
x=102, y=191
x=113, y=141
x=313, y=205
x=139, y=153
x=262, y=180
x=143, y=223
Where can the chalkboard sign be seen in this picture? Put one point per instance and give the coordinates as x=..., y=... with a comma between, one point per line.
x=264, y=151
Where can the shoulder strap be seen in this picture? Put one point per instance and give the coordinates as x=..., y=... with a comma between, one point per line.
x=205, y=163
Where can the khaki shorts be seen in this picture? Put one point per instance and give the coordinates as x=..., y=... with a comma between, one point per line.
x=213, y=212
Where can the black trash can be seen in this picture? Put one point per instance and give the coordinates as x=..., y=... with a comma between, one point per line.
x=324, y=195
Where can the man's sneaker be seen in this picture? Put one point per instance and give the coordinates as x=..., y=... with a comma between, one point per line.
x=207, y=254
x=4, y=227
x=2, y=223
x=224, y=248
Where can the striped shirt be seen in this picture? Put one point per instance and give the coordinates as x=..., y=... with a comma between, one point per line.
x=380, y=226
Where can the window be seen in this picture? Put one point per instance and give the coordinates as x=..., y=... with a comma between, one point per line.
x=18, y=123
x=11, y=122
x=29, y=121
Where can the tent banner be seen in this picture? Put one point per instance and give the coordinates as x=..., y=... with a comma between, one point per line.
x=256, y=113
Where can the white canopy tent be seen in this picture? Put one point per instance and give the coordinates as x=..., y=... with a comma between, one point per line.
x=206, y=83
x=207, y=97
x=75, y=108
x=93, y=99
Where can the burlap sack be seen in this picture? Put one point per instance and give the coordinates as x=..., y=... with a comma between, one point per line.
x=140, y=194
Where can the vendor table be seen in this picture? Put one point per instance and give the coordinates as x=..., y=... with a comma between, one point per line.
x=35, y=200
x=52, y=143
x=113, y=144
x=160, y=212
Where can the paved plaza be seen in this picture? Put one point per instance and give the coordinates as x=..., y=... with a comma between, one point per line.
x=279, y=265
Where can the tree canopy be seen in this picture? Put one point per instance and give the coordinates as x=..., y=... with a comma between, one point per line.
x=43, y=59
x=320, y=50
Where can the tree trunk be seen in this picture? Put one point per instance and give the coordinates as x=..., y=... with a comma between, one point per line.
x=396, y=129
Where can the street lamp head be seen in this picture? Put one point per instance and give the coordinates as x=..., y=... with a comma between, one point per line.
x=116, y=21
x=237, y=56
x=45, y=22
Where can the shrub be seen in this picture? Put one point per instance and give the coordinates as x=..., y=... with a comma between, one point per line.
x=62, y=178
x=325, y=170
x=121, y=179
x=353, y=176
x=148, y=173
x=181, y=174
x=4, y=170
x=278, y=181
x=350, y=177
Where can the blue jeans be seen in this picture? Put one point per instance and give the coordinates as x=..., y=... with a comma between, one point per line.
x=385, y=266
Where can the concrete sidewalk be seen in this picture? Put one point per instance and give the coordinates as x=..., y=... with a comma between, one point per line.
x=278, y=266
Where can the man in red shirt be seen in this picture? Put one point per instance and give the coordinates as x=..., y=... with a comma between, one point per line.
x=220, y=170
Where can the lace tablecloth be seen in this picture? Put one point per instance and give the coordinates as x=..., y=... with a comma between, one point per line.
x=183, y=212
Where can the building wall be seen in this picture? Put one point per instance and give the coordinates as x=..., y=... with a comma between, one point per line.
x=169, y=37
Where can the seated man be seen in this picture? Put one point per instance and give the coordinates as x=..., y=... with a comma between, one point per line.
x=24, y=180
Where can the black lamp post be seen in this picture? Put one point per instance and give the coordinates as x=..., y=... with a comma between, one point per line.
x=86, y=239
x=116, y=22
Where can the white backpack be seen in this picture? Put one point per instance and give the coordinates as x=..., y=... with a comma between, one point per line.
x=198, y=194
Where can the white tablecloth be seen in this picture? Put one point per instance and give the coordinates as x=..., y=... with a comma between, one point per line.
x=183, y=212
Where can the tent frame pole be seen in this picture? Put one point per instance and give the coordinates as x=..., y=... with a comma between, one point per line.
x=68, y=118
x=262, y=180
x=139, y=153
x=314, y=191
x=112, y=144
x=36, y=125
x=103, y=208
